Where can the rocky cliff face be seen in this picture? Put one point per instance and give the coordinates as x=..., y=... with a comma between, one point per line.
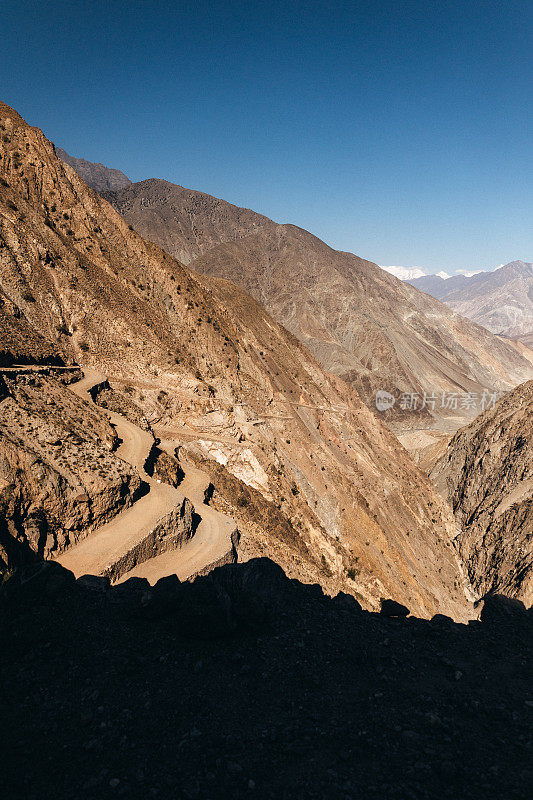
x=487, y=476
x=59, y=479
x=360, y=322
x=211, y=370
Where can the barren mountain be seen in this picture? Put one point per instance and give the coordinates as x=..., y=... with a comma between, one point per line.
x=360, y=322
x=436, y=285
x=501, y=301
x=96, y=176
x=310, y=476
x=487, y=475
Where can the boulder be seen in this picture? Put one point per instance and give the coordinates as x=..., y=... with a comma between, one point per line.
x=441, y=620
x=31, y=582
x=313, y=591
x=164, y=598
x=346, y=602
x=256, y=588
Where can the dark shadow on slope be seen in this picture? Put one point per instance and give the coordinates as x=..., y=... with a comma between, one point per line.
x=208, y=494
x=163, y=467
x=12, y=359
x=14, y=549
x=247, y=684
x=144, y=488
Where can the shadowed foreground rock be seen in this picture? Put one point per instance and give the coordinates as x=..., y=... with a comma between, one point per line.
x=391, y=608
x=246, y=684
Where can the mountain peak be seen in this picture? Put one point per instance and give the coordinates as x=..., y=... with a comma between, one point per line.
x=517, y=267
x=501, y=300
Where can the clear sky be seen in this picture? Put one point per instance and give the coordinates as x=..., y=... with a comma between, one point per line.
x=401, y=131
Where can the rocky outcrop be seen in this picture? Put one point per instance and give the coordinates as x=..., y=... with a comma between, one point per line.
x=20, y=342
x=487, y=476
x=119, y=402
x=170, y=533
x=163, y=467
x=59, y=477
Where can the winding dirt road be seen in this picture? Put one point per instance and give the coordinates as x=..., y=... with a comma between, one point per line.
x=213, y=538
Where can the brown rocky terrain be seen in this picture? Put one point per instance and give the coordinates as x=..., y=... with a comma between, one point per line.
x=21, y=342
x=217, y=377
x=360, y=322
x=486, y=474
x=97, y=176
x=501, y=300
x=59, y=477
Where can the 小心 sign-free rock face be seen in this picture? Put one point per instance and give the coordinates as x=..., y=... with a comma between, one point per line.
x=60, y=478
x=487, y=475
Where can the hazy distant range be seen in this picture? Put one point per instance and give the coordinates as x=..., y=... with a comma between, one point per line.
x=501, y=301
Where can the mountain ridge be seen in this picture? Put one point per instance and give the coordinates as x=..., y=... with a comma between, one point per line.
x=501, y=301
x=96, y=175
x=360, y=322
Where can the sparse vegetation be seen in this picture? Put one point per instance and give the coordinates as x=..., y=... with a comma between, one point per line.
x=324, y=567
x=354, y=570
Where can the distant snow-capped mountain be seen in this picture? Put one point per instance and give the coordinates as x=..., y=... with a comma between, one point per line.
x=412, y=273
x=501, y=300
x=405, y=273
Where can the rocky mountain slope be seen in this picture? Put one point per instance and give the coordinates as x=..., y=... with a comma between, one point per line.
x=501, y=301
x=59, y=477
x=360, y=322
x=311, y=477
x=487, y=476
x=436, y=285
x=97, y=176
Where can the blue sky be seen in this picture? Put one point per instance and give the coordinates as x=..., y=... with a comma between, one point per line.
x=401, y=131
